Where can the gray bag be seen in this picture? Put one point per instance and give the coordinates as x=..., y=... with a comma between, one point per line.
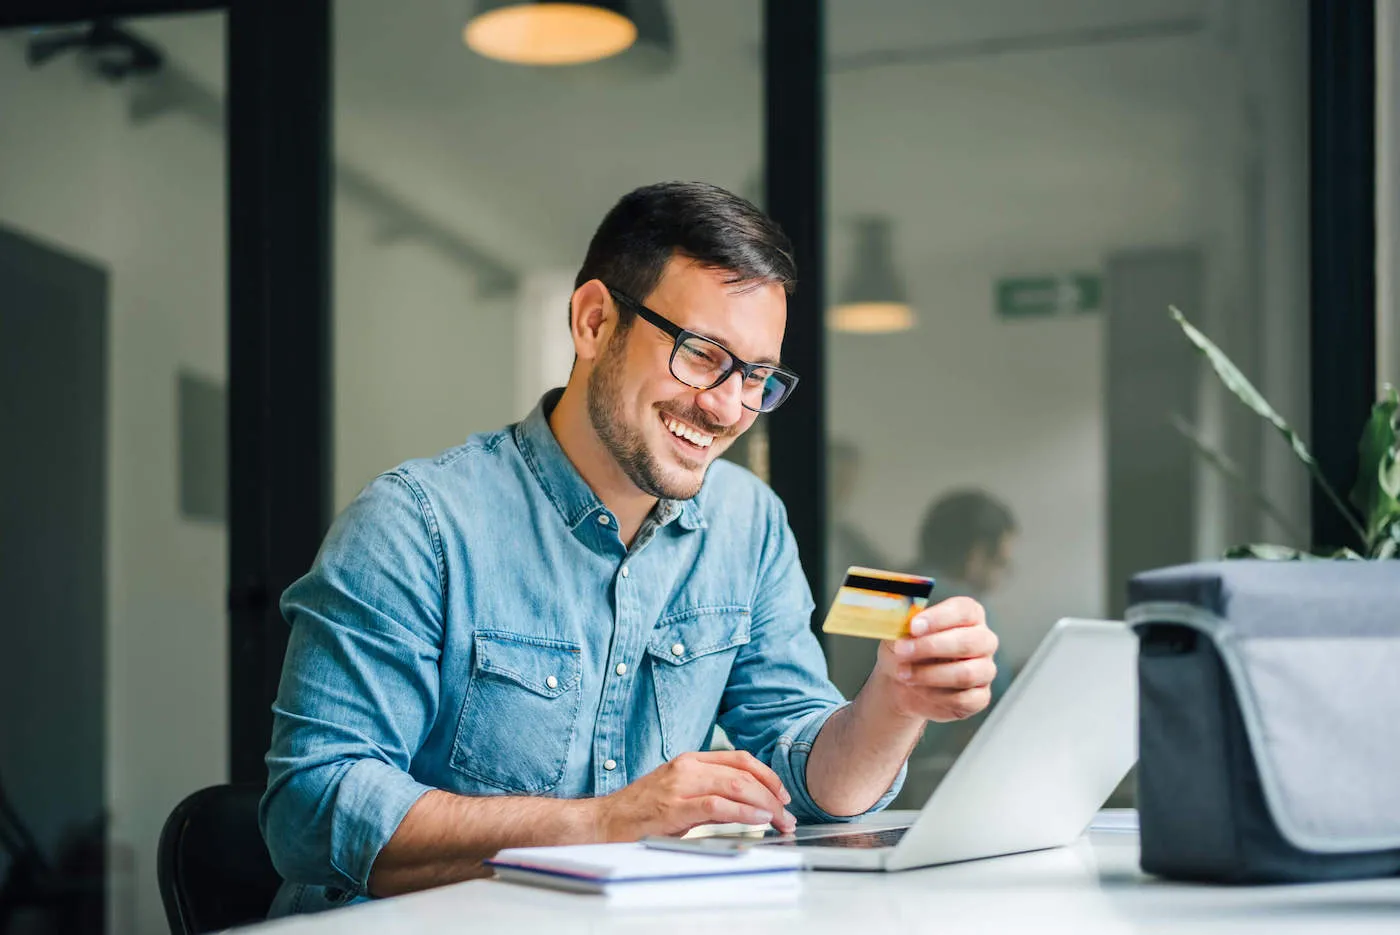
x=1269, y=719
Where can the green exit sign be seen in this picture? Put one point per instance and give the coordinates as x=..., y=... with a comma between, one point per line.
x=1038, y=296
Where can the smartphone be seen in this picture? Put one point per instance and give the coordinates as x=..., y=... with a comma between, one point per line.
x=713, y=846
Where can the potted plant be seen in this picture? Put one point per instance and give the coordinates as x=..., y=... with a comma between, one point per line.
x=1373, y=508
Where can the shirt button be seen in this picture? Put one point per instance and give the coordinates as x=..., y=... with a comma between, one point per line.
x=624, y=571
x=552, y=682
x=603, y=519
x=610, y=765
x=678, y=649
x=621, y=668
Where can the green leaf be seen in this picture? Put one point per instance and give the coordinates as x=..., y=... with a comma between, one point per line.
x=1390, y=544
x=1237, y=383
x=1269, y=552
x=1377, y=490
x=1232, y=472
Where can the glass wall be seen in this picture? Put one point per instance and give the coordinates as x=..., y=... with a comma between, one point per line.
x=113, y=549
x=1387, y=191
x=467, y=190
x=1017, y=192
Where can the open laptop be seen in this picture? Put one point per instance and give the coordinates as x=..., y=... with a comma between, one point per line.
x=1047, y=757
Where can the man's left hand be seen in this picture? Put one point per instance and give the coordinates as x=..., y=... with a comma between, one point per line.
x=943, y=670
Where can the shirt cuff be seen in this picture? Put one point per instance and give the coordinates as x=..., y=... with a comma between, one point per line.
x=790, y=763
x=371, y=801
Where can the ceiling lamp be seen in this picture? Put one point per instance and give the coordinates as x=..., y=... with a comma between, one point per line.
x=873, y=300
x=526, y=32
x=652, y=55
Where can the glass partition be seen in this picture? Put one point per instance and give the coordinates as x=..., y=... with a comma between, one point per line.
x=1017, y=192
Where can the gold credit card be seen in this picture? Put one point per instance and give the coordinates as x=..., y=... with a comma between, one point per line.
x=877, y=604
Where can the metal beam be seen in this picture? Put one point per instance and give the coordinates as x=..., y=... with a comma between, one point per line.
x=279, y=210
x=794, y=176
x=1342, y=150
x=54, y=12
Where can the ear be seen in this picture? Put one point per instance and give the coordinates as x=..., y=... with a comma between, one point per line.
x=592, y=318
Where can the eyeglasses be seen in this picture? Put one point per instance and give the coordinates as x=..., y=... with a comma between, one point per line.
x=703, y=364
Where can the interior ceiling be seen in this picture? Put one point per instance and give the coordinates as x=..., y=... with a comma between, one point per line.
x=974, y=154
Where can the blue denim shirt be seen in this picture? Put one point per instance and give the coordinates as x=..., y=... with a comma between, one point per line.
x=474, y=623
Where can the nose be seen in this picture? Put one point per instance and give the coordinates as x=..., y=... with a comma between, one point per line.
x=721, y=402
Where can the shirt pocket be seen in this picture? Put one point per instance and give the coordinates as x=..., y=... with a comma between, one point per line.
x=518, y=716
x=691, y=654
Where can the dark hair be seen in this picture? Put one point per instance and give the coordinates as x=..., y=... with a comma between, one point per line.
x=957, y=523
x=714, y=227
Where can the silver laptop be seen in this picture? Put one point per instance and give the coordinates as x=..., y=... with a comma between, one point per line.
x=1044, y=761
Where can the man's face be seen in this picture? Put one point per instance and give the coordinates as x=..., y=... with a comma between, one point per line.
x=662, y=433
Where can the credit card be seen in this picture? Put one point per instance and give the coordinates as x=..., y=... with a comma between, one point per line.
x=877, y=604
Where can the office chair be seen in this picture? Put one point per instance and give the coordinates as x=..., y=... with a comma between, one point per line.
x=212, y=865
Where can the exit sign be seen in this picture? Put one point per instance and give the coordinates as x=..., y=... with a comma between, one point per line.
x=1039, y=296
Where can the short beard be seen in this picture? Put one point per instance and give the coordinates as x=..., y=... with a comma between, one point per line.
x=625, y=442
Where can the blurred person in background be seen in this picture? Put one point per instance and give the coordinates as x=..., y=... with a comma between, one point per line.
x=965, y=544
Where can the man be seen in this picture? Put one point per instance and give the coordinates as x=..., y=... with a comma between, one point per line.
x=528, y=639
x=965, y=544
x=966, y=541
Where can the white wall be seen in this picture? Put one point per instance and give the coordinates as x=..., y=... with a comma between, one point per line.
x=147, y=203
x=421, y=359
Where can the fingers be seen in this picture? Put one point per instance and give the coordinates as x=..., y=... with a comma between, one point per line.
x=954, y=612
x=961, y=705
x=710, y=775
x=951, y=675
x=706, y=809
x=742, y=759
x=741, y=788
x=964, y=642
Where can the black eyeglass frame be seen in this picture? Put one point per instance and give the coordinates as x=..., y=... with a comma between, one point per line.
x=736, y=363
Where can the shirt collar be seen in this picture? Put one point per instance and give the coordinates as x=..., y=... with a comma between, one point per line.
x=563, y=484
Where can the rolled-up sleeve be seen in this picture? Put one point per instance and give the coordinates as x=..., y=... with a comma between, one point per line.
x=359, y=689
x=779, y=696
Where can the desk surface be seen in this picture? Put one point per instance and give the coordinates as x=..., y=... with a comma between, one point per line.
x=1092, y=887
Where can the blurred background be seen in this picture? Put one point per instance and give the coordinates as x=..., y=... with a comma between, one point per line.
x=1013, y=192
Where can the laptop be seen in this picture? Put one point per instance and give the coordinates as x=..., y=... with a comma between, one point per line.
x=1047, y=757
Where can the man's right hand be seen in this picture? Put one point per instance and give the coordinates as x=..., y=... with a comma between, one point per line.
x=695, y=789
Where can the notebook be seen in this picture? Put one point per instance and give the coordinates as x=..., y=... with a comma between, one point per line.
x=634, y=875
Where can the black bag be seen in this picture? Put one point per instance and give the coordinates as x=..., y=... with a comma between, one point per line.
x=1269, y=720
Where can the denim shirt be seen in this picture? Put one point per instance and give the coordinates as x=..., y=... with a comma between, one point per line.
x=474, y=623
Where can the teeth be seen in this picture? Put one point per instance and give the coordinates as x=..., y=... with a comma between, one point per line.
x=689, y=434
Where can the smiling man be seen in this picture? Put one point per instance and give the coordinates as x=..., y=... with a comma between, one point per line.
x=530, y=638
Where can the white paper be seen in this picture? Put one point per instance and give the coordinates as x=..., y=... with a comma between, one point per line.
x=638, y=862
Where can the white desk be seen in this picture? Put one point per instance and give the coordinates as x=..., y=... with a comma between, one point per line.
x=1094, y=886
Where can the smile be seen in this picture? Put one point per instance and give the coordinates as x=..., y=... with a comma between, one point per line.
x=679, y=429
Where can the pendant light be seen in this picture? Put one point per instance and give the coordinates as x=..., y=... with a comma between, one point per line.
x=652, y=55
x=873, y=300
x=529, y=32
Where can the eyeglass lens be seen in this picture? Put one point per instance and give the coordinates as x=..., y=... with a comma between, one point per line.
x=702, y=364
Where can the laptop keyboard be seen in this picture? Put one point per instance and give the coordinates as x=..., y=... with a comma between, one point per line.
x=862, y=840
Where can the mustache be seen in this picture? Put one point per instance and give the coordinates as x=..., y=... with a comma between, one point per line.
x=696, y=417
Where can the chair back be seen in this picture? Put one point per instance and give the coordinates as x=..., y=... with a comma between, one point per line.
x=212, y=864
